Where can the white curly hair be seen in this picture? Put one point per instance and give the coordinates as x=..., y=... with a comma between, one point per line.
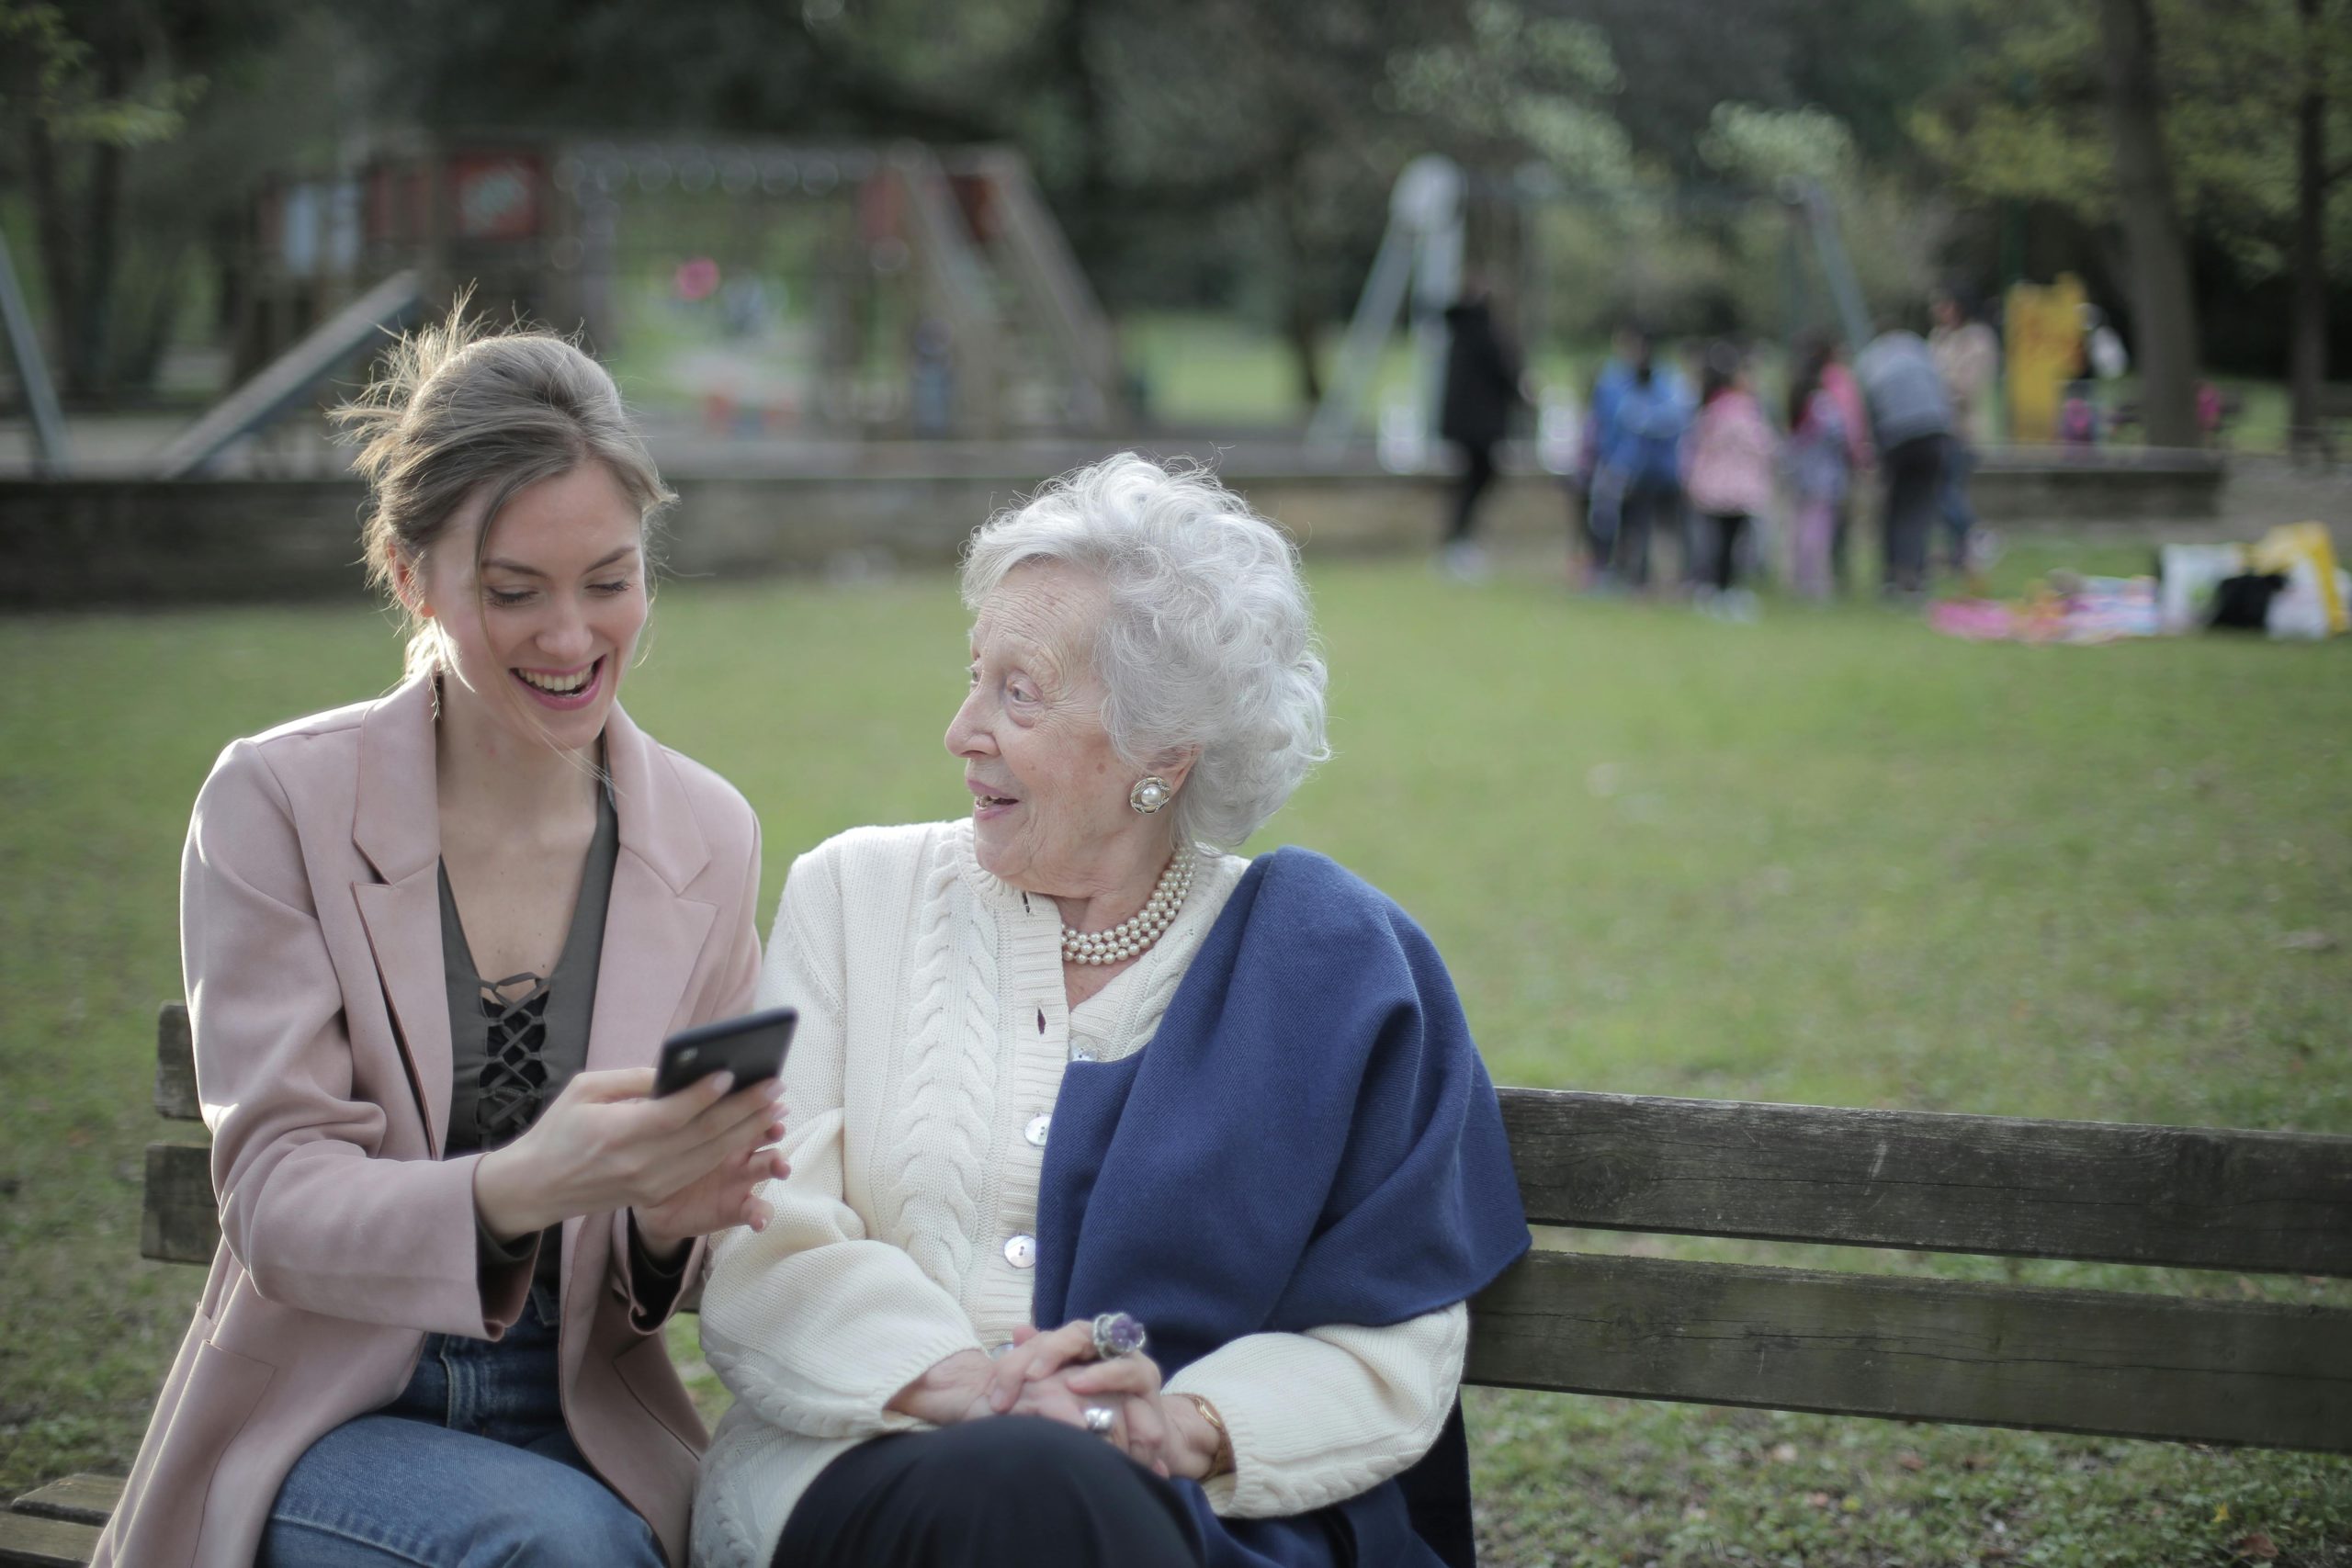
x=1207, y=639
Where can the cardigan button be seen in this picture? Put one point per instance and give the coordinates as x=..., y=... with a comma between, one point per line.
x=1036, y=1130
x=1080, y=1054
x=1022, y=1252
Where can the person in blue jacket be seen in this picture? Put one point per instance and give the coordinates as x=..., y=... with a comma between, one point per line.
x=1641, y=409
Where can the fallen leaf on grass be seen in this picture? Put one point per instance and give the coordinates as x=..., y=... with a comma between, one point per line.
x=2259, y=1546
x=2221, y=1513
x=2306, y=942
x=1784, y=1453
x=1910, y=1461
x=1817, y=1499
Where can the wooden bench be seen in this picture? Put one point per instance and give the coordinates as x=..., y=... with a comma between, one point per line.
x=2240, y=1372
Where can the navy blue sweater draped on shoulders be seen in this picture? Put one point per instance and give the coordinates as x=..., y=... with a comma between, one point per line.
x=1309, y=1139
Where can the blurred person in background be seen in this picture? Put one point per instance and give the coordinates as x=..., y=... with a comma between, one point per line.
x=1641, y=409
x=432, y=944
x=1968, y=355
x=1482, y=388
x=1138, y=1185
x=1911, y=426
x=1820, y=468
x=1727, y=463
x=1837, y=378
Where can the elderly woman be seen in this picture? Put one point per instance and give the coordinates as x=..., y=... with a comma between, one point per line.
x=1068, y=1062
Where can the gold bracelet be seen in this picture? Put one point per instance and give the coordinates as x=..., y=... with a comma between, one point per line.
x=1221, y=1460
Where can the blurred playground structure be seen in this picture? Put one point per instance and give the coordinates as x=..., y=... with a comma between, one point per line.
x=809, y=301
x=772, y=288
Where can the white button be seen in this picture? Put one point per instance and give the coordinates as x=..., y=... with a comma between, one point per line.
x=1036, y=1130
x=1080, y=1054
x=1022, y=1252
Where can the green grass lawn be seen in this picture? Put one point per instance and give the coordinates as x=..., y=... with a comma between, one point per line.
x=1827, y=857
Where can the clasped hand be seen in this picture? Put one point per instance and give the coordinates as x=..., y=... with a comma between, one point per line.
x=1054, y=1375
x=685, y=1165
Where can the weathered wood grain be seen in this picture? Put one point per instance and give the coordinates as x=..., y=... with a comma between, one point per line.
x=176, y=1097
x=77, y=1499
x=179, y=1221
x=2239, y=1372
x=2190, y=1197
x=27, y=1541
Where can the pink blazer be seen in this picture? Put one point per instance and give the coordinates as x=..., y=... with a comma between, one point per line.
x=311, y=933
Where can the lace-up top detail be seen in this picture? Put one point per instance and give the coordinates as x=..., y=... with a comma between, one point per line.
x=512, y=1083
x=515, y=1042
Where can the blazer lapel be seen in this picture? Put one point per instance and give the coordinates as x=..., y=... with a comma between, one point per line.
x=403, y=920
x=397, y=825
x=652, y=931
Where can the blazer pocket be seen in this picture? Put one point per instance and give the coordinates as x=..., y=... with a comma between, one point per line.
x=646, y=1370
x=215, y=1403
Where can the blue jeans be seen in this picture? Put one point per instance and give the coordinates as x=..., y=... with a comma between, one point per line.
x=470, y=1467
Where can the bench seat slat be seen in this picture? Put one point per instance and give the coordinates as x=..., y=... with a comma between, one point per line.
x=27, y=1540
x=1928, y=1181
x=77, y=1499
x=2254, y=1373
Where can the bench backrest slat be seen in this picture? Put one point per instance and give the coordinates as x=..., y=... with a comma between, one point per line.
x=2123, y=1365
x=1927, y=1350
x=176, y=1099
x=2193, y=1198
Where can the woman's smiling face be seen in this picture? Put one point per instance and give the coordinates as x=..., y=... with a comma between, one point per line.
x=1050, y=811
x=561, y=600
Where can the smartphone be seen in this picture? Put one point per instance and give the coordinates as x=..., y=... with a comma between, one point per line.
x=752, y=1047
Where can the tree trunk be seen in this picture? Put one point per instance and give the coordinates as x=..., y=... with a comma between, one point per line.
x=2162, y=305
x=1299, y=317
x=2307, y=355
x=89, y=355
x=54, y=237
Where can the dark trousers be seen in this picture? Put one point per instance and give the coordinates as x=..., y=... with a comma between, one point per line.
x=1477, y=473
x=1650, y=503
x=1915, y=477
x=1012, y=1492
x=1727, y=528
x=1841, y=528
x=1959, y=514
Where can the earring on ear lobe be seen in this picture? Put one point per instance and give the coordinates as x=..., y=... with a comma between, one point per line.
x=1151, y=793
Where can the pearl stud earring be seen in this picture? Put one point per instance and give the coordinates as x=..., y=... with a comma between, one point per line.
x=1151, y=793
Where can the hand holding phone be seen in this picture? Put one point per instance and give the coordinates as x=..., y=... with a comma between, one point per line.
x=752, y=1047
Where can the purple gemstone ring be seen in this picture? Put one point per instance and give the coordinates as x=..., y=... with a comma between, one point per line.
x=1116, y=1334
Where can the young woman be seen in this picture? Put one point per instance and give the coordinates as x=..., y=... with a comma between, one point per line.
x=433, y=943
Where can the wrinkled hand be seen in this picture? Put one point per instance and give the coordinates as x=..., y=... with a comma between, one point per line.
x=686, y=1163
x=1054, y=1375
x=952, y=1391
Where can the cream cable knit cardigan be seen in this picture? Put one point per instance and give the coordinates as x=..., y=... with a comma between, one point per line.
x=934, y=1034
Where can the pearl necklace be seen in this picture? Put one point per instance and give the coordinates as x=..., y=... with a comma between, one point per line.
x=1139, y=930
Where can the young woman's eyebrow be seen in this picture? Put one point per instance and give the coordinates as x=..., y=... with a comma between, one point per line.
x=514, y=566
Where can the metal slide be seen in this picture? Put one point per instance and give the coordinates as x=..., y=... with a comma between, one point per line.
x=290, y=378
x=32, y=370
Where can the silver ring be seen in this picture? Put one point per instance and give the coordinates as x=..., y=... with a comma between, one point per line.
x=1116, y=1334
x=1100, y=1419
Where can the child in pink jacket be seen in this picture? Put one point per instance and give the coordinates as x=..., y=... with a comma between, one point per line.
x=1727, y=467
